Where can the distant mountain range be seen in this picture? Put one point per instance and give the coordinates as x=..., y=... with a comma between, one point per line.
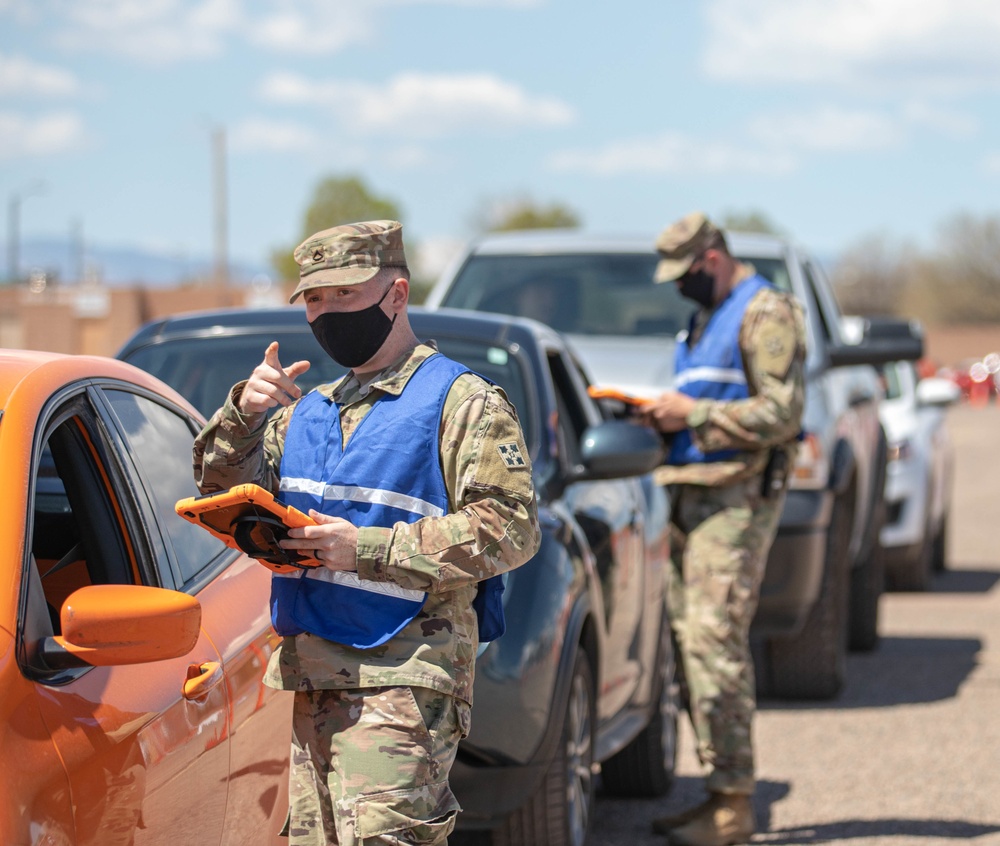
x=121, y=266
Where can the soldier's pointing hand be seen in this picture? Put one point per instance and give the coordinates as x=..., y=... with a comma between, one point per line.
x=270, y=384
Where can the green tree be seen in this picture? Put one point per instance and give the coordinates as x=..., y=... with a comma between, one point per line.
x=750, y=221
x=524, y=213
x=336, y=200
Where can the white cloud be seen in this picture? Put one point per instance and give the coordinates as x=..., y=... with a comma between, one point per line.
x=945, y=44
x=262, y=135
x=950, y=122
x=828, y=129
x=22, y=137
x=152, y=31
x=160, y=32
x=20, y=77
x=672, y=153
x=419, y=103
x=991, y=164
x=312, y=28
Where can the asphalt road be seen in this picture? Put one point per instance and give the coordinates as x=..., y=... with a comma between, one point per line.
x=909, y=753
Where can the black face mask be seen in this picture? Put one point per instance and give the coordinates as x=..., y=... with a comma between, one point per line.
x=351, y=338
x=698, y=285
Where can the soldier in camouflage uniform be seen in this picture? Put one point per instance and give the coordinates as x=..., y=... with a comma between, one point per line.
x=376, y=729
x=734, y=419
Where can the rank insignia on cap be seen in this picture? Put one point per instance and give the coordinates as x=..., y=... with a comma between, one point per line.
x=511, y=455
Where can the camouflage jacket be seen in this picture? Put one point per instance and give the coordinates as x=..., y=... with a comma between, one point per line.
x=492, y=528
x=773, y=347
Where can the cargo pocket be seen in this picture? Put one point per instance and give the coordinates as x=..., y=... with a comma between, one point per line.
x=425, y=815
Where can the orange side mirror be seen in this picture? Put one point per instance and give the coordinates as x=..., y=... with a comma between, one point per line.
x=106, y=625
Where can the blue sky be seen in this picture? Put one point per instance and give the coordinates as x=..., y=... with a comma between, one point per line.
x=839, y=119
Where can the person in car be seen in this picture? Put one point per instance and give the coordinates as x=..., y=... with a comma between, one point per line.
x=736, y=415
x=416, y=473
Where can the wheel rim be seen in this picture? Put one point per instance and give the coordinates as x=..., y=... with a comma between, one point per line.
x=579, y=760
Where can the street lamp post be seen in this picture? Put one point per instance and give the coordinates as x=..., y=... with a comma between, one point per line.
x=14, y=230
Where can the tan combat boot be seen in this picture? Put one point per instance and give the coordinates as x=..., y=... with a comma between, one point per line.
x=725, y=820
x=664, y=825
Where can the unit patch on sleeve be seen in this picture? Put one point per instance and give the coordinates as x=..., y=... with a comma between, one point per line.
x=511, y=455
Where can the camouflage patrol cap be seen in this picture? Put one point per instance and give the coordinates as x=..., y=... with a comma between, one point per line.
x=348, y=254
x=681, y=243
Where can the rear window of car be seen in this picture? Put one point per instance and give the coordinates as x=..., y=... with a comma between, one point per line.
x=203, y=370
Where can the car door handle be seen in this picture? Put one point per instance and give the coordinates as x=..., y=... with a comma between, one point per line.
x=201, y=678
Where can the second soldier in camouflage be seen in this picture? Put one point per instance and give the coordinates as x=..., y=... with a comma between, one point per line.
x=734, y=421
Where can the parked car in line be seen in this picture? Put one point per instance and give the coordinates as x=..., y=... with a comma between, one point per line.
x=584, y=676
x=824, y=575
x=920, y=474
x=132, y=644
x=976, y=378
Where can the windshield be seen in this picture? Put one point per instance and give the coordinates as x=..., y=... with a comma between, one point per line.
x=203, y=370
x=583, y=293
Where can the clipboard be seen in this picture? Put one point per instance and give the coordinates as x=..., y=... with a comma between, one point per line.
x=248, y=518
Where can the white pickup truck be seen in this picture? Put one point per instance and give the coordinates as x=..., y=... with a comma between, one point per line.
x=824, y=577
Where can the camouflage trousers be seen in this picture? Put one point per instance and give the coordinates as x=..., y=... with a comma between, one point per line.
x=371, y=766
x=720, y=538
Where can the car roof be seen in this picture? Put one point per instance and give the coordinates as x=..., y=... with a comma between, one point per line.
x=556, y=241
x=424, y=322
x=47, y=371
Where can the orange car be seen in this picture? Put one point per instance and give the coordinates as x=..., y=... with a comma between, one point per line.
x=132, y=643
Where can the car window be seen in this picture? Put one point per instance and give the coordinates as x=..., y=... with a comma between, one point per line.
x=204, y=369
x=501, y=367
x=774, y=270
x=576, y=411
x=81, y=530
x=586, y=294
x=159, y=443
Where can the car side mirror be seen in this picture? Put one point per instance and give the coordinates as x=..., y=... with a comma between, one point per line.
x=108, y=625
x=878, y=340
x=617, y=448
x=937, y=392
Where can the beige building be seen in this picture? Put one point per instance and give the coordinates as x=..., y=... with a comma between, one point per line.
x=97, y=320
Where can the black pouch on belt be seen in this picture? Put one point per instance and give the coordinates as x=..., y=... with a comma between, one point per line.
x=774, y=473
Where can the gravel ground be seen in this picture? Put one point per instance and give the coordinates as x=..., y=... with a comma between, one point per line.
x=909, y=753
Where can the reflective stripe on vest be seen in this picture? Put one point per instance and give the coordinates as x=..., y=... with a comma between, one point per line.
x=713, y=368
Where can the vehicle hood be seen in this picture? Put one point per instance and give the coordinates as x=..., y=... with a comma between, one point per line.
x=640, y=366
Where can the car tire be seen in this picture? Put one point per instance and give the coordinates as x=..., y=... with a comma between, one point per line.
x=939, y=558
x=867, y=586
x=812, y=665
x=915, y=573
x=645, y=767
x=559, y=812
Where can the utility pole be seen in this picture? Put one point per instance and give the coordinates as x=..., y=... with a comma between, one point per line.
x=14, y=230
x=219, y=204
x=76, y=259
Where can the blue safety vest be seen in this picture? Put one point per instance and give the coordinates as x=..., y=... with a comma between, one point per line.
x=389, y=472
x=713, y=368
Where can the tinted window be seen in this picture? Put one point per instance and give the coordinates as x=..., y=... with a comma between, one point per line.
x=587, y=294
x=78, y=526
x=160, y=444
x=499, y=366
x=204, y=369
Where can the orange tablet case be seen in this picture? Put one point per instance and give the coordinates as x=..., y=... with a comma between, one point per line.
x=249, y=518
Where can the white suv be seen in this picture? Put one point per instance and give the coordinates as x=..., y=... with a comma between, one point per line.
x=824, y=575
